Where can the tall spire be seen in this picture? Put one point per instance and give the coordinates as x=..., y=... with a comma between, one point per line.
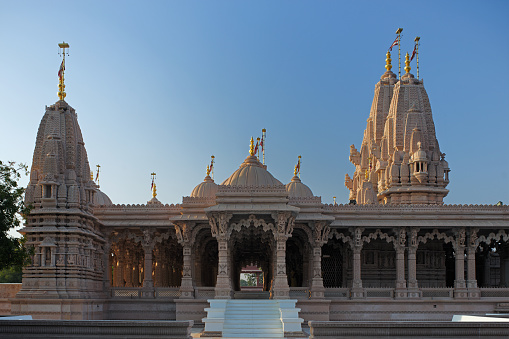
x=61, y=85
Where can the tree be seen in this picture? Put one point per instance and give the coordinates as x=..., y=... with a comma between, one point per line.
x=13, y=253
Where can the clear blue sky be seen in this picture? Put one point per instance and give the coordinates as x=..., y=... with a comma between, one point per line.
x=162, y=85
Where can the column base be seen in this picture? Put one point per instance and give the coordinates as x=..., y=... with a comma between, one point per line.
x=460, y=293
x=317, y=289
x=357, y=293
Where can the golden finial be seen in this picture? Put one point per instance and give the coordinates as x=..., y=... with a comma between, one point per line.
x=334, y=200
x=208, y=170
x=367, y=175
x=61, y=85
x=388, y=60
x=295, y=171
x=154, y=191
x=251, y=147
x=92, y=175
x=153, y=186
x=407, y=63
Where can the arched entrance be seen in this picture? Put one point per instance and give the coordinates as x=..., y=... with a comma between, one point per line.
x=252, y=246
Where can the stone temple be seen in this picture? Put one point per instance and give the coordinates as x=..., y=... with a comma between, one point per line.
x=395, y=252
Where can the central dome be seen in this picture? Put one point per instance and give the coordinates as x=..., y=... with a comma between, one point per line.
x=251, y=173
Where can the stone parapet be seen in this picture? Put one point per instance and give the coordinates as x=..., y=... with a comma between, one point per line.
x=95, y=329
x=416, y=330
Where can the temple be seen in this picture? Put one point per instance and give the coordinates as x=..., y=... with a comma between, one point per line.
x=396, y=251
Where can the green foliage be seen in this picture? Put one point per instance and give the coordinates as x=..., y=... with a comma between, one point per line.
x=12, y=207
x=11, y=275
x=250, y=279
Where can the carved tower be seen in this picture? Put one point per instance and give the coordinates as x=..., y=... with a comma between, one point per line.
x=399, y=161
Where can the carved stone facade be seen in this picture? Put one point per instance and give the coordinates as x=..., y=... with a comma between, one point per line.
x=397, y=245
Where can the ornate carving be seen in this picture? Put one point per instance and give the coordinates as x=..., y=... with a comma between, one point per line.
x=183, y=230
x=219, y=224
x=285, y=223
x=321, y=233
x=432, y=235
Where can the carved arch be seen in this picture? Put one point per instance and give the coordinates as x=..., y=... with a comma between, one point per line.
x=501, y=235
x=435, y=233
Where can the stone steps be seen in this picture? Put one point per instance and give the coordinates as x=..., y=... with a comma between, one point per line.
x=252, y=319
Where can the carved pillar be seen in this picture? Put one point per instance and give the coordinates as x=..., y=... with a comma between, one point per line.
x=108, y=265
x=412, y=283
x=285, y=223
x=357, y=290
x=459, y=250
x=183, y=230
x=472, y=246
x=320, y=234
x=220, y=230
x=399, y=247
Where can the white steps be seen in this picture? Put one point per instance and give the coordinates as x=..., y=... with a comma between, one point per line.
x=252, y=319
x=255, y=318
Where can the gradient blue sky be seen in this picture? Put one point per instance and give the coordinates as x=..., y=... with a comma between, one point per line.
x=162, y=85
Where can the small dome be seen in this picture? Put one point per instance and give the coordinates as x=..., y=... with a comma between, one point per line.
x=207, y=188
x=101, y=198
x=419, y=155
x=296, y=189
x=251, y=173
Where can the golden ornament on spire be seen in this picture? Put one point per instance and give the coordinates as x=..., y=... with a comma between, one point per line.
x=388, y=60
x=295, y=171
x=154, y=191
x=407, y=63
x=251, y=147
x=208, y=170
x=61, y=85
x=153, y=186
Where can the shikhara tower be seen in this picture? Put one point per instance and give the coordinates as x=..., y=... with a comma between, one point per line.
x=399, y=161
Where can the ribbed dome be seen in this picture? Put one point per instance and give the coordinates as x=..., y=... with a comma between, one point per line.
x=207, y=188
x=296, y=189
x=251, y=173
x=102, y=199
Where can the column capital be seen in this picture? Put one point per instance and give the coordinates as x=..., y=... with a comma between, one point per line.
x=219, y=222
x=285, y=223
x=183, y=231
x=321, y=233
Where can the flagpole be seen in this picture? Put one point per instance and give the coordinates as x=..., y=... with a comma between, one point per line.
x=263, y=147
x=398, y=32
x=299, y=165
x=97, y=176
x=417, y=54
x=258, y=149
x=212, y=166
x=61, y=85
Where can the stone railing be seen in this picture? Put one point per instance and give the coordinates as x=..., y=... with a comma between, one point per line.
x=494, y=292
x=374, y=292
x=139, y=292
x=437, y=293
x=337, y=292
x=299, y=292
x=167, y=292
x=204, y=292
x=95, y=329
x=407, y=329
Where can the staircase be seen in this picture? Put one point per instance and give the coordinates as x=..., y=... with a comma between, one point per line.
x=252, y=319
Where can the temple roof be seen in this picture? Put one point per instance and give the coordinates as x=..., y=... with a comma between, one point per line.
x=251, y=173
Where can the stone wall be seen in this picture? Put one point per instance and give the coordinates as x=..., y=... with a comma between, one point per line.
x=7, y=291
x=95, y=329
x=414, y=330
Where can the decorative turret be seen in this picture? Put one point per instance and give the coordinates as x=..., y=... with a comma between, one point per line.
x=405, y=163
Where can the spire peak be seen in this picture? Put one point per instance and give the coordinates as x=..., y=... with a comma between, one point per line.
x=61, y=85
